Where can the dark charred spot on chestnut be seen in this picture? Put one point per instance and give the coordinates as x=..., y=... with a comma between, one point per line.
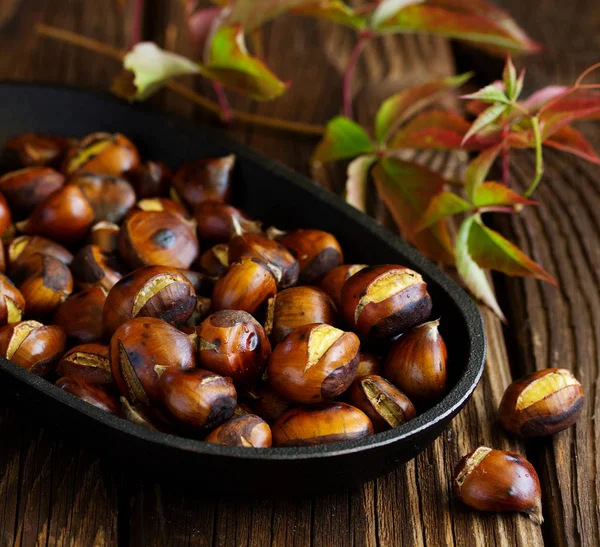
x=165, y=239
x=135, y=358
x=146, y=325
x=145, y=335
x=217, y=343
x=221, y=410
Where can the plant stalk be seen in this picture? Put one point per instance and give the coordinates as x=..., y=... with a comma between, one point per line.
x=363, y=38
x=137, y=15
x=225, y=107
x=539, y=162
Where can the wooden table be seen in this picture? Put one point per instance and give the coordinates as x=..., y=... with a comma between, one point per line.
x=53, y=494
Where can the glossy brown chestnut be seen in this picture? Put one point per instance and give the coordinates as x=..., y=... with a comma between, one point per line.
x=541, y=403
x=3, y=266
x=232, y=343
x=12, y=303
x=33, y=346
x=499, y=481
x=140, y=344
x=159, y=239
x=368, y=363
x=92, y=267
x=317, y=253
x=163, y=205
x=385, y=405
x=383, y=301
x=314, y=363
x=150, y=179
x=105, y=235
x=81, y=316
x=5, y=216
x=215, y=221
x=196, y=398
x=204, y=180
x=203, y=284
x=89, y=362
x=25, y=189
x=296, y=307
x=103, y=153
x=90, y=393
x=245, y=286
x=24, y=247
x=269, y=405
x=256, y=245
x=416, y=364
x=44, y=282
x=214, y=261
x=248, y=431
x=32, y=149
x=322, y=423
x=110, y=197
x=151, y=291
x=334, y=280
x=64, y=216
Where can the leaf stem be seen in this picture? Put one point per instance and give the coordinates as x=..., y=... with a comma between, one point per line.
x=363, y=38
x=539, y=162
x=585, y=73
x=226, y=112
x=505, y=156
x=137, y=14
x=107, y=50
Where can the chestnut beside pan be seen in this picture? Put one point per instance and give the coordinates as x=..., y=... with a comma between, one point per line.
x=268, y=191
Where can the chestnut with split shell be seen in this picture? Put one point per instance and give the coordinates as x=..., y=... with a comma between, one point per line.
x=12, y=303
x=26, y=188
x=81, y=316
x=334, y=280
x=110, y=197
x=89, y=362
x=92, y=267
x=93, y=394
x=23, y=247
x=248, y=431
x=150, y=179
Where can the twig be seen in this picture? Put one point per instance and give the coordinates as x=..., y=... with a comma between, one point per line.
x=226, y=112
x=363, y=38
x=136, y=22
x=118, y=54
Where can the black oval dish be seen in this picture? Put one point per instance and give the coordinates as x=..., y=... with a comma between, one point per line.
x=278, y=196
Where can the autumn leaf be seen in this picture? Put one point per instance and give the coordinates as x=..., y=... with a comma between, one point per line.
x=539, y=98
x=407, y=189
x=357, y=180
x=579, y=105
x=389, y=8
x=343, y=139
x=443, y=205
x=570, y=140
x=487, y=117
x=489, y=94
x=478, y=169
x=490, y=194
x=333, y=10
x=200, y=23
x=252, y=14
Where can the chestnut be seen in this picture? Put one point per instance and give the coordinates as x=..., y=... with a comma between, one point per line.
x=33, y=149
x=203, y=284
x=90, y=393
x=232, y=343
x=110, y=197
x=313, y=363
x=317, y=252
x=64, y=216
x=5, y=215
x=93, y=268
x=496, y=480
x=416, y=364
x=368, y=363
x=204, y=180
x=163, y=205
x=201, y=311
x=269, y=405
x=157, y=238
x=245, y=286
x=105, y=235
x=383, y=403
x=142, y=415
x=215, y=221
x=256, y=245
x=44, y=282
x=25, y=189
x=196, y=398
x=23, y=247
x=33, y=346
x=137, y=347
x=242, y=409
x=296, y=307
x=89, y=362
x=322, y=423
x=383, y=301
x=3, y=266
x=12, y=303
x=248, y=431
x=81, y=316
x=541, y=403
x=151, y=291
x=150, y=179
x=334, y=280
x=102, y=153
x=214, y=261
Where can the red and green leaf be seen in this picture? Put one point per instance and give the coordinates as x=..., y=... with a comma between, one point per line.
x=581, y=104
x=386, y=9
x=478, y=169
x=489, y=94
x=571, y=140
x=485, y=119
x=252, y=14
x=333, y=10
x=357, y=181
x=343, y=139
x=443, y=205
x=536, y=100
x=496, y=194
x=407, y=189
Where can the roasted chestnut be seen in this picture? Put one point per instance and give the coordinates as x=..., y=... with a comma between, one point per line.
x=105, y=235
x=269, y=405
x=196, y=398
x=80, y=316
x=65, y=216
x=248, y=430
x=3, y=266
x=45, y=283
x=232, y=343
x=5, y=216
x=89, y=362
x=150, y=179
x=92, y=267
x=314, y=363
x=32, y=149
x=334, y=280
x=90, y=393
x=25, y=189
x=159, y=239
x=322, y=423
x=296, y=307
x=110, y=197
x=163, y=205
x=541, y=403
x=383, y=301
x=368, y=363
x=215, y=221
x=137, y=347
x=245, y=286
x=204, y=180
x=214, y=261
x=33, y=346
x=151, y=291
x=203, y=284
x=103, y=153
x=23, y=247
x=142, y=415
x=317, y=253
x=383, y=403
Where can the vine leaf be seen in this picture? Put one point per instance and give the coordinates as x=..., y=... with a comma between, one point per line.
x=357, y=181
x=252, y=14
x=580, y=104
x=489, y=94
x=487, y=117
x=443, y=205
x=333, y=10
x=571, y=140
x=343, y=139
x=407, y=188
x=478, y=169
x=490, y=194
x=388, y=9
